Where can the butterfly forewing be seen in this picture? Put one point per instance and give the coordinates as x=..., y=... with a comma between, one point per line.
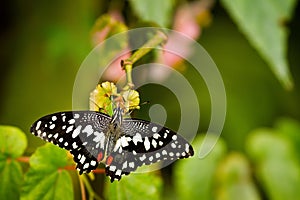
x=81, y=132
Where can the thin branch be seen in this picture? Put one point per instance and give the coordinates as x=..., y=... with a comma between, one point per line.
x=82, y=189
x=24, y=159
x=89, y=188
x=99, y=171
x=158, y=39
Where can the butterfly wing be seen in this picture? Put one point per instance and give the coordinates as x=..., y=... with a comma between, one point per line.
x=83, y=133
x=144, y=143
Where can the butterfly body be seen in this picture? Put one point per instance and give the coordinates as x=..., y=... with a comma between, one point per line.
x=121, y=144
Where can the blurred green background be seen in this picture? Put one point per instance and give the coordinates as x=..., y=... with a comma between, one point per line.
x=43, y=44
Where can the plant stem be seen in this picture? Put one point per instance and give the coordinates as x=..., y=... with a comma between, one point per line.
x=82, y=189
x=89, y=188
x=157, y=39
x=23, y=159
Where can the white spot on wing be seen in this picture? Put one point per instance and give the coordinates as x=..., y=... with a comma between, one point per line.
x=55, y=136
x=124, y=165
x=156, y=135
x=146, y=144
x=112, y=168
x=118, y=172
x=187, y=147
x=142, y=158
x=124, y=142
x=131, y=164
x=86, y=165
x=93, y=163
x=38, y=124
x=154, y=143
x=154, y=129
x=117, y=145
x=82, y=159
x=52, y=126
x=54, y=118
x=137, y=138
x=74, y=145
x=165, y=135
x=164, y=152
x=98, y=136
x=76, y=131
x=150, y=158
x=88, y=129
x=69, y=129
x=173, y=145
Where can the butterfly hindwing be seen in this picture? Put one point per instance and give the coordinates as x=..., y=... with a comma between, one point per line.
x=81, y=132
x=144, y=143
x=146, y=137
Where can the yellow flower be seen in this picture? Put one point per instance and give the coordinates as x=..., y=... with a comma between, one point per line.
x=100, y=97
x=131, y=99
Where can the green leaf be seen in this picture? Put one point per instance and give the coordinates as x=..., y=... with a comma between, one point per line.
x=13, y=142
x=194, y=176
x=263, y=24
x=276, y=166
x=10, y=179
x=290, y=129
x=46, y=179
x=234, y=179
x=156, y=11
x=146, y=186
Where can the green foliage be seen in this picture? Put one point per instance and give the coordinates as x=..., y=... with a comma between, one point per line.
x=11, y=178
x=194, y=176
x=234, y=180
x=290, y=130
x=46, y=179
x=277, y=169
x=154, y=10
x=13, y=143
x=136, y=186
x=263, y=24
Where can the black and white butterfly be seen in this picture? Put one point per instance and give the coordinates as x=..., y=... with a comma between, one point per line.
x=122, y=144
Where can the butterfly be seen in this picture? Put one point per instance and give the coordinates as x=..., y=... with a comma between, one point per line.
x=122, y=144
